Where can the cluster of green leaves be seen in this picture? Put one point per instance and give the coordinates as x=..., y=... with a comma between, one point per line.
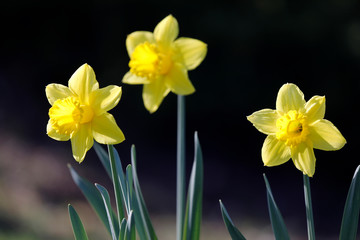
x=131, y=218
x=349, y=223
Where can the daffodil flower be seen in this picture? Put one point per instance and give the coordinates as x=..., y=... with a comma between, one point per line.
x=161, y=63
x=294, y=129
x=79, y=112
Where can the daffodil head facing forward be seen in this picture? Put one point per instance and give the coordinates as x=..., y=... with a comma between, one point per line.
x=294, y=129
x=160, y=62
x=79, y=112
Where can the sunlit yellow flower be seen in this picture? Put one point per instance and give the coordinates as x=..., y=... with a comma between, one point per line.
x=79, y=112
x=161, y=63
x=294, y=129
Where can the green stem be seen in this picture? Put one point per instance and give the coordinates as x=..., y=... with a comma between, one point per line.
x=180, y=168
x=309, y=212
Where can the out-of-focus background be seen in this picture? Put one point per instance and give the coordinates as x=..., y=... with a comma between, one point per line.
x=253, y=48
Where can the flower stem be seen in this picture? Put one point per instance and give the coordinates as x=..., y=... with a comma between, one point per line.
x=180, y=167
x=308, y=205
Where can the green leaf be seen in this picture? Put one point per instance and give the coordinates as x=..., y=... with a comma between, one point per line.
x=106, y=198
x=277, y=222
x=122, y=180
x=123, y=226
x=233, y=231
x=77, y=226
x=130, y=228
x=92, y=195
x=194, y=200
x=129, y=186
x=119, y=197
x=104, y=158
x=141, y=214
x=350, y=218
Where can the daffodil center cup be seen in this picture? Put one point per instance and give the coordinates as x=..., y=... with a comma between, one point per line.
x=292, y=128
x=67, y=114
x=147, y=60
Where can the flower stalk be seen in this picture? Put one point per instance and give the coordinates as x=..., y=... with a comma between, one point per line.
x=180, y=167
x=308, y=205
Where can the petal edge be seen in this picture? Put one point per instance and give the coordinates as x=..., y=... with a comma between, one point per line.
x=274, y=152
x=192, y=50
x=264, y=120
x=106, y=131
x=166, y=31
x=325, y=136
x=289, y=98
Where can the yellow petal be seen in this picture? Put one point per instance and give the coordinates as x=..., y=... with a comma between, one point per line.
x=289, y=98
x=166, y=31
x=104, y=99
x=315, y=109
x=154, y=93
x=83, y=82
x=136, y=38
x=325, y=136
x=193, y=51
x=81, y=142
x=178, y=81
x=264, y=120
x=105, y=130
x=304, y=158
x=54, y=135
x=131, y=78
x=56, y=91
x=274, y=152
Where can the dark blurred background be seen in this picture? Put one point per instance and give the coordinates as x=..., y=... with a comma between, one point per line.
x=254, y=47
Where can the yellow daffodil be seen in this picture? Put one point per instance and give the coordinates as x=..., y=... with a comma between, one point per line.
x=79, y=112
x=294, y=129
x=161, y=63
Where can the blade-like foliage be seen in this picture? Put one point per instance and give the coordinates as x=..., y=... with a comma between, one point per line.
x=123, y=227
x=106, y=198
x=141, y=215
x=277, y=222
x=129, y=187
x=77, y=226
x=130, y=228
x=350, y=219
x=119, y=198
x=104, y=158
x=193, y=212
x=122, y=179
x=92, y=195
x=233, y=231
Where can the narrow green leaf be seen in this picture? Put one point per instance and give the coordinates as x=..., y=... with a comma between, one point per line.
x=77, y=226
x=92, y=195
x=129, y=186
x=277, y=222
x=119, y=198
x=130, y=228
x=141, y=214
x=122, y=180
x=233, y=231
x=104, y=157
x=350, y=218
x=106, y=198
x=123, y=226
x=194, y=200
